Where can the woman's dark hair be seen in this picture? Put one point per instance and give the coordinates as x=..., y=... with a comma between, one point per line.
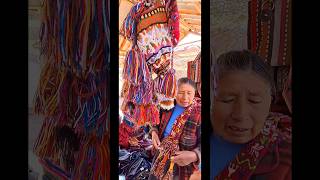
x=185, y=80
x=246, y=61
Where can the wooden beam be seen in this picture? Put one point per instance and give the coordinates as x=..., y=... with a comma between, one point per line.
x=192, y=21
x=189, y=11
x=190, y=16
x=197, y=6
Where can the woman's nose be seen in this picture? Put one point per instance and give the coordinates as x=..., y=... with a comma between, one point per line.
x=185, y=96
x=240, y=111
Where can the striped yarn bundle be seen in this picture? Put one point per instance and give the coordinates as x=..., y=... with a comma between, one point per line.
x=73, y=91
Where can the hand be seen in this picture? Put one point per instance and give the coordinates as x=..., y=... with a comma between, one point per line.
x=183, y=158
x=155, y=140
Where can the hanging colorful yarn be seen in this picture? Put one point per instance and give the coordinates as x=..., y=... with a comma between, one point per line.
x=73, y=89
x=92, y=162
x=54, y=169
x=47, y=95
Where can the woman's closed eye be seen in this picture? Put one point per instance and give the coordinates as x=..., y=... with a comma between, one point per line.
x=226, y=100
x=255, y=101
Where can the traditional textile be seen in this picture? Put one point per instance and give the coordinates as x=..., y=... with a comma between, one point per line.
x=194, y=69
x=194, y=73
x=269, y=30
x=186, y=137
x=281, y=74
x=287, y=91
x=132, y=135
x=73, y=90
x=275, y=137
x=153, y=29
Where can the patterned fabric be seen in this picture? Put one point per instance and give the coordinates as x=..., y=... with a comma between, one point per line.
x=269, y=30
x=250, y=162
x=190, y=139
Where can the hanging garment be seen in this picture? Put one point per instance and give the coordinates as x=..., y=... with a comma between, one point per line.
x=153, y=29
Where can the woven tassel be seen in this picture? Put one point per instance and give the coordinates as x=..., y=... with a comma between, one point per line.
x=131, y=67
x=169, y=84
x=153, y=113
x=141, y=116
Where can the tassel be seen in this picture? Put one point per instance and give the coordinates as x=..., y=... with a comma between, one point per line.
x=135, y=69
x=169, y=84
x=154, y=115
x=131, y=67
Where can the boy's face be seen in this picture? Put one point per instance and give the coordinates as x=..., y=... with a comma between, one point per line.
x=241, y=106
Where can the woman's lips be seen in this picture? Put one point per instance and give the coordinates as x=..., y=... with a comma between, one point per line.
x=238, y=130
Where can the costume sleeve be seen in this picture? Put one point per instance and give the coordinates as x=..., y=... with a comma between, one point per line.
x=129, y=25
